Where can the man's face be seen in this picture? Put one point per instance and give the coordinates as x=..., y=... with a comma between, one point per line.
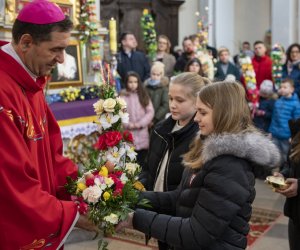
x=224, y=57
x=42, y=58
x=130, y=41
x=246, y=46
x=259, y=49
x=188, y=46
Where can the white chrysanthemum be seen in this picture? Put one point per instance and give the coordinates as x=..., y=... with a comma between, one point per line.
x=112, y=218
x=124, y=117
x=98, y=107
x=109, y=105
x=115, y=154
x=131, y=167
x=122, y=103
x=107, y=119
x=92, y=194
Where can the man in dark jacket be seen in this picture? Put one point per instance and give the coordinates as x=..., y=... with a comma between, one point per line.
x=189, y=53
x=225, y=67
x=131, y=60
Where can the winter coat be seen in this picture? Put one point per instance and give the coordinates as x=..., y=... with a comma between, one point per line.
x=137, y=62
x=285, y=109
x=263, y=69
x=232, y=70
x=163, y=139
x=160, y=99
x=263, y=121
x=211, y=207
x=294, y=75
x=141, y=116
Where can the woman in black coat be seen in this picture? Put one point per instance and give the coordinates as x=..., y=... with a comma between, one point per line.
x=211, y=208
x=291, y=171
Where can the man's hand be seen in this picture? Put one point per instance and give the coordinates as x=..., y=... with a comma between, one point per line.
x=292, y=190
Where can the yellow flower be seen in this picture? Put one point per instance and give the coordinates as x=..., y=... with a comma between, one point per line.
x=109, y=105
x=122, y=103
x=145, y=12
x=98, y=107
x=139, y=186
x=81, y=186
x=106, y=196
x=103, y=171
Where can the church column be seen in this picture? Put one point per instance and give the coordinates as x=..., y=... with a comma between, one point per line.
x=285, y=29
x=224, y=23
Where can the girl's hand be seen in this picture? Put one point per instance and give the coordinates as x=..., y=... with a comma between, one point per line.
x=277, y=174
x=292, y=190
x=125, y=223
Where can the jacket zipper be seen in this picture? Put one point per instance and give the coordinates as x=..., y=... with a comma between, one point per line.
x=159, y=165
x=167, y=166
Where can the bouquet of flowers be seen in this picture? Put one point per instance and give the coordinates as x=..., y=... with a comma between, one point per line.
x=149, y=33
x=250, y=81
x=277, y=56
x=108, y=188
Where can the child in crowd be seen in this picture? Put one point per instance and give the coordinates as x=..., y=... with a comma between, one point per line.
x=141, y=113
x=263, y=115
x=211, y=207
x=287, y=107
x=157, y=88
x=194, y=65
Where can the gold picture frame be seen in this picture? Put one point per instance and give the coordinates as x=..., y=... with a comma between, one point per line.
x=70, y=72
x=69, y=7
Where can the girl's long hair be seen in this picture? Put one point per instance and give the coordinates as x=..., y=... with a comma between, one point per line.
x=230, y=114
x=141, y=91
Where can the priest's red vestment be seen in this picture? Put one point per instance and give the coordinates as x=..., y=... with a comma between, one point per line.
x=34, y=213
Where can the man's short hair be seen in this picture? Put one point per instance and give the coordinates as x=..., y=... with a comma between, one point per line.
x=258, y=42
x=39, y=32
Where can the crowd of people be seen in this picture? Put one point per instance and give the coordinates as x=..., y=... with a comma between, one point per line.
x=193, y=130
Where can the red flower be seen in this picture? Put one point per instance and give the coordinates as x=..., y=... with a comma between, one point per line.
x=81, y=205
x=100, y=144
x=127, y=135
x=112, y=138
x=90, y=182
x=117, y=192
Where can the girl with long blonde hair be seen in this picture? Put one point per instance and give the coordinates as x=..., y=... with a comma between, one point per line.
x=211, y=207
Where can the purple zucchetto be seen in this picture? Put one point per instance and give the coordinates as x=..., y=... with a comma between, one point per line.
x=41, y=12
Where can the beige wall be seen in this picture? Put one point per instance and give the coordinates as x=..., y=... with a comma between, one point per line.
x=253, y=19
x=187, y=19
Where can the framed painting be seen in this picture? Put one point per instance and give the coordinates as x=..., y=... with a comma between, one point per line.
x=70, y=8
x=68, y=73
x=2, y=10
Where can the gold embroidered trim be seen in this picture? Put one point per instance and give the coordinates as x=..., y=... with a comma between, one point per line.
x=34, y=245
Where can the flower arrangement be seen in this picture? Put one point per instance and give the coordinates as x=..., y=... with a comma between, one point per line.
x=205, y=58
x=89, y=33
x=277, y=56
x=108, y=188
x=149, y=33
x=250, y=81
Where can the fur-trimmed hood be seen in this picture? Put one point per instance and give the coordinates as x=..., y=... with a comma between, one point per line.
x=252, y=146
